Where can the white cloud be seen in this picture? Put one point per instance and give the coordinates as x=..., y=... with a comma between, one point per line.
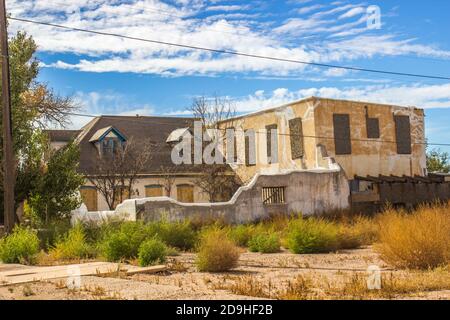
x=352, y=12
x=421, y=96
x=180, y=24
x=105, y=103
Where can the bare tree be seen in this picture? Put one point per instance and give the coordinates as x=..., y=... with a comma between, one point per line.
x=168, y=178
x=117, y=171
x=218, y=181
x=212, y=111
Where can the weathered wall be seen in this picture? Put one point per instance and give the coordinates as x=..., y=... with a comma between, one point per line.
x=372, y=156
x=306, y=192
x=369, y=157
x=280, y=116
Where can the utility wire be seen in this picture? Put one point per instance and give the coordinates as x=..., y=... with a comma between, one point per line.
x=140, y=120
x=243, y=54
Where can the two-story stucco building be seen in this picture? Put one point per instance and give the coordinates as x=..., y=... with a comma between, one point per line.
x=363, y=138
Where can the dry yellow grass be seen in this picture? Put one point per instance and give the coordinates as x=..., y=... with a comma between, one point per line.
x=216, y=252
x=418, y=240
x=394, y=285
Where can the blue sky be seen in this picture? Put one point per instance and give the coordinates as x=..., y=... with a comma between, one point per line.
x=115, y=76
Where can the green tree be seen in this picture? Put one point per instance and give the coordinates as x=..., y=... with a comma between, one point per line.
x=55, y=192
x=34, y=107
x=438, y=161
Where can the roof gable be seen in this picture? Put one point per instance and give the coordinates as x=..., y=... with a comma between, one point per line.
x=100, y=134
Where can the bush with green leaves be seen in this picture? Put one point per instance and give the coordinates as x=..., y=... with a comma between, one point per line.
x=241, y=234
x=311, y=235
x=178, y=234
x=21, y=246
x=124, y=243
x=152, y=251
x=265, y=242
x=73, y=245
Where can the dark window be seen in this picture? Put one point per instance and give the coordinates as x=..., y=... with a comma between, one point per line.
x=403, y=134
x=341, y=126
x=248, y=161
x=273, y=195
x=296, y=131
x=272, y=137
x=373, y=128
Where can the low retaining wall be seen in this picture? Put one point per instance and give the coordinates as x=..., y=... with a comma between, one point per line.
x=306, y=192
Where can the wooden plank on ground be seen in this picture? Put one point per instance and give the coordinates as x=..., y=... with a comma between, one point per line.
x=152, y=269
x=35, y=274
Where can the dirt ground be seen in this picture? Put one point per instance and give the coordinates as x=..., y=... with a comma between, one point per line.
x=258, y=276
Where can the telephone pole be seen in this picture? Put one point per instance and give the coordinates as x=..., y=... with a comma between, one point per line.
x=8, y=157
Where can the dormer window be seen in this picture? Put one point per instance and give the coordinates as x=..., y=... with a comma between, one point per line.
x=108, y=140
x=110, y=145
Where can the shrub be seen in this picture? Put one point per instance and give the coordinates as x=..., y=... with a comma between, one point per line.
x=21, y=246
x=216, y=252
x=420, y=240
x=267, y=242
x=72, y=246
x=152, y=251
x=176, y=234
x=241, y=234
x=124, y=243
x=311, y=236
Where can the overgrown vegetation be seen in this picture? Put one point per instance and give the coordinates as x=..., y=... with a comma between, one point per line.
x=420, y=240
x=216, y=252
x=152, y=251
x=180, y=234
x=72, y=246
x=241, y=234
x=265, y=242
x=21, y=246
x=311, y=236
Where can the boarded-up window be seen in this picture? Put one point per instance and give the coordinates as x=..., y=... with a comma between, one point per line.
x=272, y=145
x=250, y=151
x=235, y=152
x=341, y=126
x=403, y=134
x=273, y=195
x=153, y=190
x=373, y=128
x=185, y=193
x=89, y=197
x=296, y=136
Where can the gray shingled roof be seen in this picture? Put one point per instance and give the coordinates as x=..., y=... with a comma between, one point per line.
x=62, y=135
x=140, y=128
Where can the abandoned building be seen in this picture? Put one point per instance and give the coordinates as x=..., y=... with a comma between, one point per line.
x=159, y=176
x=350, y=153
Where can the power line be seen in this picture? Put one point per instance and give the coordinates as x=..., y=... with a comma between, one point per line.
x=137, y=119
x=243, y=54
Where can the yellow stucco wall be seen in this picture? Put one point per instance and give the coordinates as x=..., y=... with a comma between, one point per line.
x=280, y=116
x=372, y=157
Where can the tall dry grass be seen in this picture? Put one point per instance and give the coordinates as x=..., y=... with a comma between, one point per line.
x=417, y=240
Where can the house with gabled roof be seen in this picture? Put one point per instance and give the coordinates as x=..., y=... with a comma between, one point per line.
x=105, y=133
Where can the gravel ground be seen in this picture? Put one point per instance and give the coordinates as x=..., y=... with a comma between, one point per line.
x=273, y=273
